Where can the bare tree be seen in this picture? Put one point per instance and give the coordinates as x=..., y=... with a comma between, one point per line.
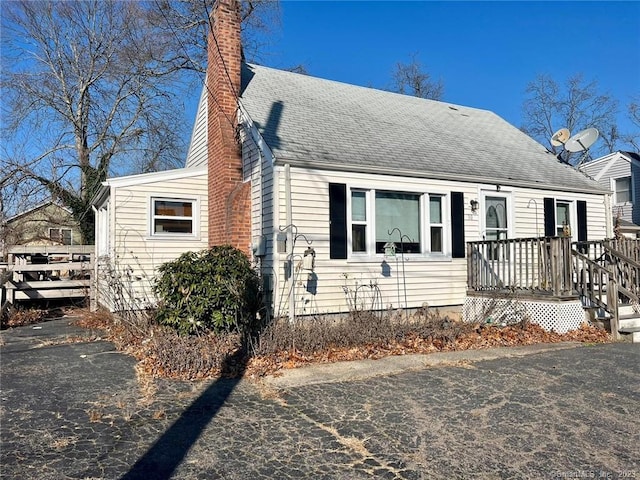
x=576, y=105
x=412, y=79
x=188, y=21
x=92, y=88
x=632, y=139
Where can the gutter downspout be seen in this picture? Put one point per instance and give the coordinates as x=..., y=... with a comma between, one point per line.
x=93, y=289
x=290, y=239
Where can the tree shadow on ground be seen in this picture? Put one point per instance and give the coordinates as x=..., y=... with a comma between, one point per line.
x=165, y=456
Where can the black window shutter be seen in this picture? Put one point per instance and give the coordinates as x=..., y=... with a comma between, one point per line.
x=457, y=225
x=549, y=217
x=337, y=220
x=582, y=220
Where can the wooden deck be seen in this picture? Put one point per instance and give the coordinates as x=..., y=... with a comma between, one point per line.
x=49, y=272
x=604, y=275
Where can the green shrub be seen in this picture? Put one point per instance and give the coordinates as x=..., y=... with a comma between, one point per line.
x=213, y=289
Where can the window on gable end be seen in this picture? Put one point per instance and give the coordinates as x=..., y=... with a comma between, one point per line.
x=61, y=236
x=622, y=188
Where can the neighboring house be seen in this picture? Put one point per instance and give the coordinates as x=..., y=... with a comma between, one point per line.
x=328, y=176
x=45, y=224
x=620, y=173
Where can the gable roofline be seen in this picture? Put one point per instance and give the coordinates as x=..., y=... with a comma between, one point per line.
x=628, y=156
x=37, y=207
x=164, y=175
x=198, y=139
x=144, y=178
x=606, y=162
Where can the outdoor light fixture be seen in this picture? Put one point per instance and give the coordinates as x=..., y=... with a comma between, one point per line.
x=474, y=205
x=389, y=249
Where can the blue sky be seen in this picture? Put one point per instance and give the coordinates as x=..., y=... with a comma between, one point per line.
x=484, y=52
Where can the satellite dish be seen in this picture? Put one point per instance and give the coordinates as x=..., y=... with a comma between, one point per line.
x=581, y=141
x=560, y=137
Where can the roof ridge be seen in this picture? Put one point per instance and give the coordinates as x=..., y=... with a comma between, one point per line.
x=374, y=89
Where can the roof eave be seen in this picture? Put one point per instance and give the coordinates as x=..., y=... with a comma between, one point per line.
x=436, y=176
x=101, y=196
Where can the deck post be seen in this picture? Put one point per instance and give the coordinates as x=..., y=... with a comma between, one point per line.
x=612, y=304
x=555, y=266
x=93, y=294
x=470, y=283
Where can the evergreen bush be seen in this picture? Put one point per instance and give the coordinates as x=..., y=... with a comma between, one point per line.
x=213, y=290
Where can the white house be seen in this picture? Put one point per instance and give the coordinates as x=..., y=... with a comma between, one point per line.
x=620, y=173
x=290, y=168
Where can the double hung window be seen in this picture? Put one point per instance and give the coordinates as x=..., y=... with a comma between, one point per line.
x=436, y=223
x=172, y=217
x=358, y=221
x=622, y=187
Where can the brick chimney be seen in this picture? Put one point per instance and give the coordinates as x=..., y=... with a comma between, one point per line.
x=229, y=197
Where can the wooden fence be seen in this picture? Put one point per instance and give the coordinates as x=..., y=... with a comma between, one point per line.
x=49, y=272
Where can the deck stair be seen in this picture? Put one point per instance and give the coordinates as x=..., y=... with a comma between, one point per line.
x=629, y=322
x=608, y=278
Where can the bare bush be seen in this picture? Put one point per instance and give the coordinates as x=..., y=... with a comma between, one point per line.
x=359, y=328
x=194, y=357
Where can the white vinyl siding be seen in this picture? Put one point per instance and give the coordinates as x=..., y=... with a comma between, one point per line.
x=434, y=280
x=528, y=212
x=257, y=169
x=197, y=154
x=430, y=281
x=134, y=254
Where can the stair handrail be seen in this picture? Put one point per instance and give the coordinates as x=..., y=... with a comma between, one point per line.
x=581, y=280
x=633, y=296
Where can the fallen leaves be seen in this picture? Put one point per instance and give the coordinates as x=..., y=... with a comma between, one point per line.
x=477, y=337
x=163, y=353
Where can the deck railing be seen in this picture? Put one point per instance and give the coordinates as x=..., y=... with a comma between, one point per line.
x=595, y=250
x=539, y=265
x=603, y=274
x=49, y=272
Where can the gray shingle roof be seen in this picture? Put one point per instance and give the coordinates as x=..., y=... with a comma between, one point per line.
x=321, y=123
